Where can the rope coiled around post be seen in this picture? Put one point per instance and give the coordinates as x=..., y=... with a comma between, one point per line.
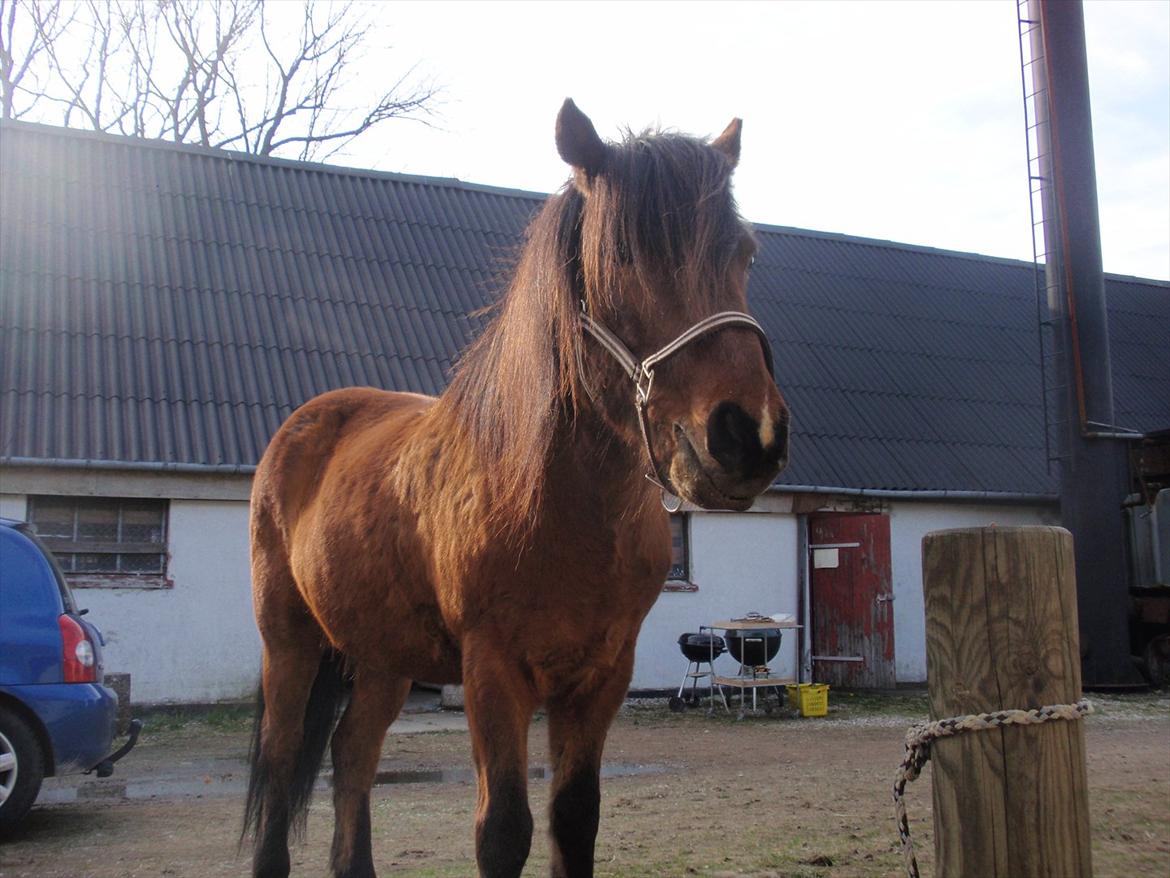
x=919, y=738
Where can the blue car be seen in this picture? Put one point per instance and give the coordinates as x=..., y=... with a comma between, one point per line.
x=56, y=716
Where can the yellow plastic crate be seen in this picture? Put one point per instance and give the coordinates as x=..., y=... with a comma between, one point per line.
x=811, y=699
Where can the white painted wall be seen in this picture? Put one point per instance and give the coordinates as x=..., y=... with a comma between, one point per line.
x=14, y=506
x=741, y=563
x=909, y=523
x=195, y=642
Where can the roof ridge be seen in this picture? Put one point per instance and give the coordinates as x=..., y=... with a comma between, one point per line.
x=509, y=192
x=271, y=161
x=841, y=237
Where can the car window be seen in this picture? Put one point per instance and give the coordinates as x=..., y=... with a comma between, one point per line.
x=62, y=586
x=24, y=593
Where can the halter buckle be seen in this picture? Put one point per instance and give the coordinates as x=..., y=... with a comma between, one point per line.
x=643, y=384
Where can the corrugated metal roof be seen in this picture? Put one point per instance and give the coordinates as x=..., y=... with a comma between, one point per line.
x=166, y=304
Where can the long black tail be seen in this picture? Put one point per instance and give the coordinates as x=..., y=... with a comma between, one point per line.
x=322, y=710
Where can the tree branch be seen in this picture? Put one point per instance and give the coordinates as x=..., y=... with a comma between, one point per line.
x=169, y=68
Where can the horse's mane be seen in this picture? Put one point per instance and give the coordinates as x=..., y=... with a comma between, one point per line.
x=664, y=200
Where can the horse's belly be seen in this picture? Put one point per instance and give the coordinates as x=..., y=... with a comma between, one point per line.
x=378, y=609
x=397, y=639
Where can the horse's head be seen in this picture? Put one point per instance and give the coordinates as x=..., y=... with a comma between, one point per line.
x=663, y=265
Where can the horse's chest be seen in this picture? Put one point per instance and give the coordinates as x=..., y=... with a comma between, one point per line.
x=580, y=607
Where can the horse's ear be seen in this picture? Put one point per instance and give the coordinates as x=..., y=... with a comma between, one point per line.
x=578, y=143
x=728, y=142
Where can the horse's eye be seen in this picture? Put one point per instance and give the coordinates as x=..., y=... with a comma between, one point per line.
x=623, y=251
x=751, y=262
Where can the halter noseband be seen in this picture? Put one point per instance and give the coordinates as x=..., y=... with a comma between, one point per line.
x=642, y=372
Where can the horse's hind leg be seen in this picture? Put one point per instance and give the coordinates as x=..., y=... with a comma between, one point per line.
x=301, y=687
x=578, y=723
x=286, y=682
x=357, y=744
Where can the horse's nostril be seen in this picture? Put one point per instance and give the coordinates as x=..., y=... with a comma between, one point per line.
x=733, y=437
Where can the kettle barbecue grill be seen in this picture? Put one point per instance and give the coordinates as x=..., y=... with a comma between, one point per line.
x=699, y=649
x=755, y=647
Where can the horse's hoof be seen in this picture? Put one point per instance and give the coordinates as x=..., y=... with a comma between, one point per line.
x=676, y=704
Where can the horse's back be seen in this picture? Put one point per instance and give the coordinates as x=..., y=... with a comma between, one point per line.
x=335, y=550
x=293, y=467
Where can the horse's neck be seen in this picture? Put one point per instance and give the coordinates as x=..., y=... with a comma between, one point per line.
x=590, y=463
x=587, y=463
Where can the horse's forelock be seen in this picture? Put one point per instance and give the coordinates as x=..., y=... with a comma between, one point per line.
x=663, y=204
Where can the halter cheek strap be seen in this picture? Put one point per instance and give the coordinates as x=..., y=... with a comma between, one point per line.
x=642, y=372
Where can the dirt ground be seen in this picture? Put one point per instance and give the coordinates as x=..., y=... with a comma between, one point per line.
x=685, y=794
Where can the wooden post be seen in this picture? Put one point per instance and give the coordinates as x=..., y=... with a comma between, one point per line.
x=1001, y=633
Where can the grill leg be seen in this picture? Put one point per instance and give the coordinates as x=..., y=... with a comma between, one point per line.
x=677, y=705
x=714, y=688
x=695, y=683
x=683, y=685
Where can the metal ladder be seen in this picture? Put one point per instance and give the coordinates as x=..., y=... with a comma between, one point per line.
x=1047, y=317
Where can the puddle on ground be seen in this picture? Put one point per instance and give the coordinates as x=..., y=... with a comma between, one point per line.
x=232, y=784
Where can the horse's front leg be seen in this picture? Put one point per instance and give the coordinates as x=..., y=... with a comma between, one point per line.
x=577, y=725
x=357, y=744
x=499, y=702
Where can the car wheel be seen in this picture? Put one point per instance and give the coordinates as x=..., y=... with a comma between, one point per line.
x=22, y=768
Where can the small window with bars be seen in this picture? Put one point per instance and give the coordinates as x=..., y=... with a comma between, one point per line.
x=105, y=539
x=680, y=550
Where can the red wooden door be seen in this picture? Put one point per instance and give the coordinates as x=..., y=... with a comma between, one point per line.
x=851, y=600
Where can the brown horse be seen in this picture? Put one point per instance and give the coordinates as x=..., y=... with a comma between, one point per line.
x=506, y=534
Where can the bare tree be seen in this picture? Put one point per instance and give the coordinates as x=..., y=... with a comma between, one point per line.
x=22, y=51
x=224, y=73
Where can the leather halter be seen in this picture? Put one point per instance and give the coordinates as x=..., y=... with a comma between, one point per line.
x=642, y=372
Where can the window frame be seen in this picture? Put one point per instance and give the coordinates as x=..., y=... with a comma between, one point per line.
x=63, y=548
x=682, y=583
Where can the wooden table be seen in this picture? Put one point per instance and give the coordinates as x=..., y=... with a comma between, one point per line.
x=747, y=678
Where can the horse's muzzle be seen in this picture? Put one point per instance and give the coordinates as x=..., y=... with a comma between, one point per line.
x=747, y=449
x=735, y=465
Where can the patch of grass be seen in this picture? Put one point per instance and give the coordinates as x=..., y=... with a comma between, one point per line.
x=1130, y=705
x=881, y=707
x=228, y=718
x=867, y=707
x=913, y=703
x=908, y=705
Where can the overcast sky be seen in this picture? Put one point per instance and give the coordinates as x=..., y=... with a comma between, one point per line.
x=894, y=120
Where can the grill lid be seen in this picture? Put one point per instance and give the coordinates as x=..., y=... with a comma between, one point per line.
x=701, y=647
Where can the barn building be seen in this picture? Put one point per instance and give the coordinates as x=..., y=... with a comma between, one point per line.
x=163, y=308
